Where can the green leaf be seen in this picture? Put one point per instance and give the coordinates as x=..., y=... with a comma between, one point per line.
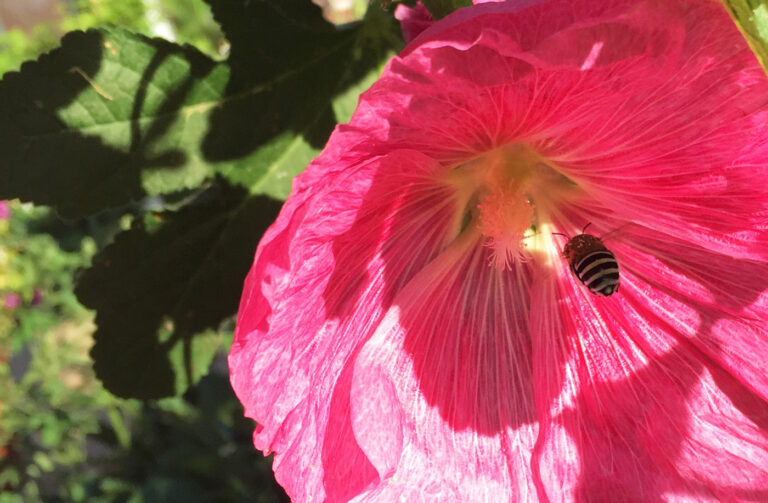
x=161, y=288
x=289, y=65
x=441, y=8
x=107, y=118
x=345, y=103
x=111, y=117
x=751, y=16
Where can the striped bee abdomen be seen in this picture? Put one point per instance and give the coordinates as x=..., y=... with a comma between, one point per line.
x=599, y=272
x=593, y=264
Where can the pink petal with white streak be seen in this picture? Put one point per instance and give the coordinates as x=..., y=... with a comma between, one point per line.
x=454, y=352
x=302, y=317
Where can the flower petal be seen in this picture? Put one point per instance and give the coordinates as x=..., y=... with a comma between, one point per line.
x=656, y=112
x=725, y=297
x=454, y=352
x=413, y=20
x=303, y=316
x=631, y=411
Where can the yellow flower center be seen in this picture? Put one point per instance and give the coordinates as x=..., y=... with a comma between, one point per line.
x=511, y=192
x=505, y=215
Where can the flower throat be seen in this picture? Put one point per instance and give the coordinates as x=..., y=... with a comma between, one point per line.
x=513, y=191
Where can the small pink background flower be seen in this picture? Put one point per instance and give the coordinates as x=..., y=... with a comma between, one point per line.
x=5, y=210
x=410, y=330
x=12, y=301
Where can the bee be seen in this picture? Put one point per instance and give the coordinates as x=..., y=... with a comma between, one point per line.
x=592, y=263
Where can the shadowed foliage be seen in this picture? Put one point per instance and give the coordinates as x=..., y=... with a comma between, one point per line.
x=441, y=8
x=113, y=120
x=170, y=282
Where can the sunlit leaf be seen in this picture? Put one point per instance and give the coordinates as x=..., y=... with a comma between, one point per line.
x=105, y=119
x=289, y=65
x=111, y=117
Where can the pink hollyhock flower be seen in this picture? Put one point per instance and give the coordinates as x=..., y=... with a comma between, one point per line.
x=5, y=210
x=410, y=330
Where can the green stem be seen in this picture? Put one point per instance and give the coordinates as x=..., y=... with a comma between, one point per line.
x=118, y=426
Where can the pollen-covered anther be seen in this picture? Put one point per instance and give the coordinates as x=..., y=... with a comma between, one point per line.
x=505, y=215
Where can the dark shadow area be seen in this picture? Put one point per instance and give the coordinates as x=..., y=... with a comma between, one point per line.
x=199, y=67
x=628, y=431
x=472, y=357
x=744, y=281
x=32, y=140
x=102, y=226
x=69, y=234
x=182, y=277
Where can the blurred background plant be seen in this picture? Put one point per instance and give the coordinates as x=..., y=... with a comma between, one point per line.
x=63, y=437
x=35, y=26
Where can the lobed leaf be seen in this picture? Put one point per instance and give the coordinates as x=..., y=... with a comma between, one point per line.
x=159, y=294
x=112, y=117
x=288, y=67
x=106, y=119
